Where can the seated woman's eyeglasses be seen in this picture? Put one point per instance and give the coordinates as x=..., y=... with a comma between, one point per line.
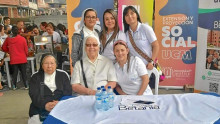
x=89, y=45
x=90, y=17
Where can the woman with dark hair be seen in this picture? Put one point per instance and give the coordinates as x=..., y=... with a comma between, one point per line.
x=88, y=21
x=141, y=38
x=61, y=30
x=110, y=33
x=131, y=72
x=47, y=87
x=16, y=46
x=43, y=26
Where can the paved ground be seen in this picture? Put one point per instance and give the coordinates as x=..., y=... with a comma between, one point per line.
x=15, y=105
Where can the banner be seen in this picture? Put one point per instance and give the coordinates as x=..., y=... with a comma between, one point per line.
x=74, y=13
x=144, y=8
x=176, y=31
x=208, y=47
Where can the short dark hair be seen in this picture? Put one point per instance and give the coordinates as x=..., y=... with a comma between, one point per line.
x=44, y=24
x=125, y=12
x=6, y=18
x=14, y=30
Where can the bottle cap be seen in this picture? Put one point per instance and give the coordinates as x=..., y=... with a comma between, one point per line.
x=104, y=89
x=98, y=88
x=109, y=87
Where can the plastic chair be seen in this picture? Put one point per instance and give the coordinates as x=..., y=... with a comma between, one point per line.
x=156, y=73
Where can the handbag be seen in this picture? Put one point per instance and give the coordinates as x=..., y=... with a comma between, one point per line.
x=159, y=69
x=142, y=54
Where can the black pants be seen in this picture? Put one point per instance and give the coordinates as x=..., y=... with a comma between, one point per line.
x=59, y=59
x=22, y=68
x=152, y=81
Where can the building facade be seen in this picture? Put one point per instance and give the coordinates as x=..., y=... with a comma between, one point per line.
x=22, y=8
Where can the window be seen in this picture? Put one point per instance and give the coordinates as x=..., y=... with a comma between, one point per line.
x=4, y=11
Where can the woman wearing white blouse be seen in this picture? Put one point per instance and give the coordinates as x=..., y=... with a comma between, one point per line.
x=110, y=33
x=131, y=72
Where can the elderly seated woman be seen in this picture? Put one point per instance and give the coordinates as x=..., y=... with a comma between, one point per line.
x=98, y=70
x=47, y=86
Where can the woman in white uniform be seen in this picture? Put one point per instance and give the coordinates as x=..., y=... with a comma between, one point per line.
x=131, y=72
x=142, y=35
x=110, y=33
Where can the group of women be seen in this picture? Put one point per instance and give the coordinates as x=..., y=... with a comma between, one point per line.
x=107, y=58
x=130, y=70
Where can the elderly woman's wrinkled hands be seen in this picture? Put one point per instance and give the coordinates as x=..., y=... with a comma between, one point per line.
x=50, y=105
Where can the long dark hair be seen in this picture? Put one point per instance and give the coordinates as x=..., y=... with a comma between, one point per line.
x=125, y=12
x=105, y=29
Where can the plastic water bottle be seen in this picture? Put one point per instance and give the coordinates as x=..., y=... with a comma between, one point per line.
x=110, y=96
x=98, y=102
x=105, y=100
x=102, y=87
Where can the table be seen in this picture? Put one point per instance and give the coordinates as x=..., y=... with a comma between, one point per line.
x=7, y=59
x=191, y=108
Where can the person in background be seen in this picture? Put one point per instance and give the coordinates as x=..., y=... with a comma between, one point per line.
x=35, y=30
x=16, y=46
x=131, y=72
x=56, y=41
x=61, y=30
x=3, y=36
x=7, y=22
x=99, y=70
x=20, y=25
x=7, y=30
x=88, y=21
x=50, y=31
x=110, y=33
x=43, y=26
x=142, y=34
x=30, y=40
x=47, y=86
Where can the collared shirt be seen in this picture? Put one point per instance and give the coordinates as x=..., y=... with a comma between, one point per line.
x=108, y=52
x=88, y=32
x=97, y=74
x=49, y=80
x=130, y=80
x=143, y=37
